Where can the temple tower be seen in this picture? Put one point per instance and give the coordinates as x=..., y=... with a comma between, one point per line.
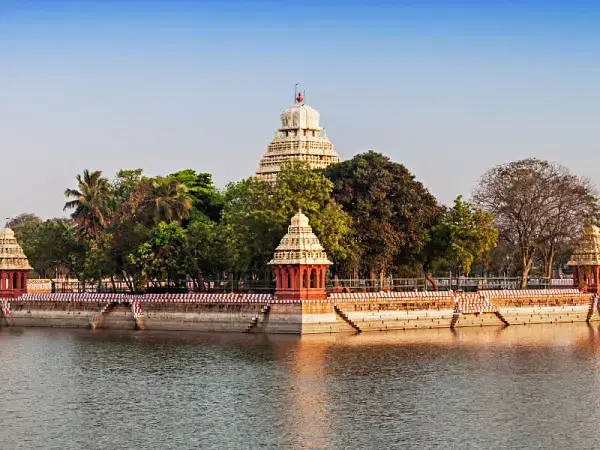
x=301, y=138
x=586, y=261
x=14, y=266
x=300, y=263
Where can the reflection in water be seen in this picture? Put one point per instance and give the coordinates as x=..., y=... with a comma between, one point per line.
x=520, y=386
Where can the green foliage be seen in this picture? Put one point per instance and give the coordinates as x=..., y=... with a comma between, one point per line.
x=124, y=185
x=470, y=232
x=390, y=209
x=206, y=199
x=168, y=201
x=165, y=255
x=257, y=215
x=370, y=214
x=90, y=202
x=51, y=246
x=209, y=250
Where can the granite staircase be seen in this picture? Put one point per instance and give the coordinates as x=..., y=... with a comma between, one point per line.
x=346, y=319
x=264, y=312
x=455, y=318
x=593, y=307
x=475, y=305
x=501, y=317
x=5, y=311
x=98, y=319
x=108, y=307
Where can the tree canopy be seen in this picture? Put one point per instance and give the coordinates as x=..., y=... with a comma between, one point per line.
x=390, y=209
x=372, y=216
x=537, y=206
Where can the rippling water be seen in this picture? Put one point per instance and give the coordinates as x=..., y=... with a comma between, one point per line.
x=523, y=386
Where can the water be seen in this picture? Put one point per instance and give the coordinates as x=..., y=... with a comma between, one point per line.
x=521, y=387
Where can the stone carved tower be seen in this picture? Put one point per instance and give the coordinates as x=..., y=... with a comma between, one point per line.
x=300, y=263
x=14, y=266
x=301, y=138
x=586, y=261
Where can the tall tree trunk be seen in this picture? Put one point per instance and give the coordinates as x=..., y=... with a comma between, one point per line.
x=430, y=278
x=549, y=261
x=336, y=278
x=527, y=260
x=128, y=282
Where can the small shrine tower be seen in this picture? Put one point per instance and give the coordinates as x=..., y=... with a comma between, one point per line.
x=14, y=266
x=586, y=261
x=299, y=138
x=300, y=263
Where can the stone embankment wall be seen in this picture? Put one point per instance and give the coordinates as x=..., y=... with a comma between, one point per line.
x=385, y=312
x=257, y=313
x=223, y=317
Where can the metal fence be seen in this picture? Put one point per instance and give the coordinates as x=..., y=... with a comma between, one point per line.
x=355, y=285
x=444, y=284
x=179, y=287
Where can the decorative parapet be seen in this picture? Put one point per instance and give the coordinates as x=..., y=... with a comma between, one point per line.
x=268, y=298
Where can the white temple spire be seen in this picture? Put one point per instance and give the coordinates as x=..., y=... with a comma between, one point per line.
x=300, y=137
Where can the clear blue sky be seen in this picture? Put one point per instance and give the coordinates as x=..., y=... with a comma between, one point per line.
x=447, y=88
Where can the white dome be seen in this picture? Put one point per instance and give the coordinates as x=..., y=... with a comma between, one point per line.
x=300, y=116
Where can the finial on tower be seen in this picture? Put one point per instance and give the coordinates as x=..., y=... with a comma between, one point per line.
x=299, y=98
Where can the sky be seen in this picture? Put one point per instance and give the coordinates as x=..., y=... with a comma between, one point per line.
x=447, y=88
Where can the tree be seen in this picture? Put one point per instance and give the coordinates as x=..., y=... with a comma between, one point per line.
x=209, y=250
x=165, y=255
x=124, y=185
x=391, y=211
x=26, y=228
x=206, y=199
x=252, y=226
x=167, y=201
x=257, y=215
x=23, y=221
x=536, y=204
x=90, y=204
x=51, y=246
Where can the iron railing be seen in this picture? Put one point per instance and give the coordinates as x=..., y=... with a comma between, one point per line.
x=185, y=286
x=444, y=284
x=354, y=285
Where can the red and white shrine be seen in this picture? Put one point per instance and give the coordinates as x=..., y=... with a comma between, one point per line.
x=586, y=261
x=300, y=263
x=14, y=266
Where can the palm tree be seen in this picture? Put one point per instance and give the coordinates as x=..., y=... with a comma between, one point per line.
x=90, y=203
x=169, y=201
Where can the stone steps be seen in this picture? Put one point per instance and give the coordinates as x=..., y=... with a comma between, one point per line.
x=345, y=317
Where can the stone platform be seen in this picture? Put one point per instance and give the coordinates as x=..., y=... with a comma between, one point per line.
x=261, y=313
